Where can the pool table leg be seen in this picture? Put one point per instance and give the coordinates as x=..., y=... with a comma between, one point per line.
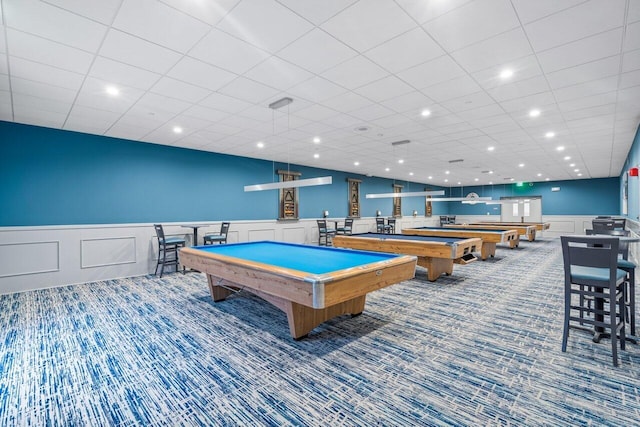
x=488, y=250
x=514, y=243
x=532, y=236
x=436, y=266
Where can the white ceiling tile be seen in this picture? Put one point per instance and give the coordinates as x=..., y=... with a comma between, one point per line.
x=43, y=73
x=327, y=51
x=451, y=89
x=91, y=120
x=210, y=12
x=500, y=50
x=103, y=11
x=585, y=72
x=634, y=11
x=355, y=72
x=371, y=112
x=411, y=103
x=405, y=51
x=224, y=103
x=200, y=74
x=529, y=11
x=365, y=24
x=582, y=51
x=47, y=52
x=137, y=52
x=227, y=52
x=583, y=20
x=277, y=73
x=631, y=61
x=347, y=102
x=315, y=112
x=119, y=73
x=526, y=103
x=432, y=72
x=38, y=117
x=42, y=90
x=250, y=91
x=316, y=89
x=523, y=69
x=317, y=11
x=480, y=19
x=254, y=21
x=386, y=88
x=93, y=95
x=180, y=90
x=158, y=23
x=632, y=37
x=630, y=79
x=519, y=89
x=423, y=11
x=593, y=87
x=205, y=113
x=156, y=106
x=24, y=102
x=51, y=22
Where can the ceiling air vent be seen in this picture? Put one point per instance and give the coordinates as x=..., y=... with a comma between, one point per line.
x=456, y=161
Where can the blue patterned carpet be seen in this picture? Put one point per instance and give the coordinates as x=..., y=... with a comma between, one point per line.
x=481, y=347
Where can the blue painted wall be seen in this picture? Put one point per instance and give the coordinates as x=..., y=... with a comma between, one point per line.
x=54, y=177
x=599, y=196
x=633, y=185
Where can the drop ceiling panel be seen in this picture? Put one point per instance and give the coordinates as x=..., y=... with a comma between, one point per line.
x=327, y=51
x=227, y=52
x=137, y=52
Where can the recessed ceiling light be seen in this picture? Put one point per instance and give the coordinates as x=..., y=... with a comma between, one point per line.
x=539, y=174
x=260, y=144
x=459, y=183
x=430, y=177
x=576, y=170
x=356, y=163
x=534, y=113
x=446, y=180
x=491, y=148
x=511, y=179
x=491, y=182
x=476, y=179
x=411, y=173
x=387, y=169
x=547, y=179
x=560, y=148
x=579, y=174
x=316, y=140
x=401, y=161
x=112, y=90
x=316, y=155
x=425, y=113
x=506, y=73
x=490, y=172
x=567, y=157
x=521, y=165
x=572, y=165
x=177, y=129
x=550, y=134
x=447, y=172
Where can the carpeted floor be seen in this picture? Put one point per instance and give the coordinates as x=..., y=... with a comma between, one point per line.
x=481, y=347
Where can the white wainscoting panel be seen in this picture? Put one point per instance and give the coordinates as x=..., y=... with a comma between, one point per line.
x=266, y=234
x=29, y=258
x=107, y=251
x=294, y=234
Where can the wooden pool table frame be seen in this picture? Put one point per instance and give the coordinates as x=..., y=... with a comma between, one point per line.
x=307, y=299
x=489, y=238
x=524, y=230
x=540, y=226
x=436, y=257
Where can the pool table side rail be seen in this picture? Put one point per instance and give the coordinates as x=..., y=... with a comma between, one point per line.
x=418, y=248
x=494, y=236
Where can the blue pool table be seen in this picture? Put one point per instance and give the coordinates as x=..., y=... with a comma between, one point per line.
x=311, y=284
x=436, y=254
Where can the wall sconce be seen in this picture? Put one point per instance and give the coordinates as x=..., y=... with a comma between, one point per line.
x=325, y=214
x=378, y=213
x=415, y=213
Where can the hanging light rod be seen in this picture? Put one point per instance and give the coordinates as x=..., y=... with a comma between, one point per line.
x=280, y=103
x=323, y=180
x=404, y=141
x=414, y=194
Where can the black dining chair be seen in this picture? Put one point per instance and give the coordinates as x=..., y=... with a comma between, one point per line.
x=347, y=228
x=167, y=250
x=602, y=225
x=325, y=234
x=381, y=227
x=210, y=239
x=391, y=226
x=591, y=273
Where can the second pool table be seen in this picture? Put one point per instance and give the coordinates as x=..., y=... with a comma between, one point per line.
x=311, y=284
x=436, y=254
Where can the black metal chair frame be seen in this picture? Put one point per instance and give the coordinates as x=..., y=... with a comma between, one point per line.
x=347, y=229
x=599, y=255
x=325, y=233
x=210, y=239
x=167, y=250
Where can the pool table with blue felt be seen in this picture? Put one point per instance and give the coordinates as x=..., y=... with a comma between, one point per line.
x=436, y=254
x=490, y=238
x=311, y=284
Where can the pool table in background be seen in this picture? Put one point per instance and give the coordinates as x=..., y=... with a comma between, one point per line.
x=311, y=284
x=540, y=226
x=529, y=231
x=490, y=238
x=436, y=254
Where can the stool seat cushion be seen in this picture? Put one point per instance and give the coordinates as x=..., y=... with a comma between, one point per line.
x=626, y=264
x=174, y=240
x=579, y=273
